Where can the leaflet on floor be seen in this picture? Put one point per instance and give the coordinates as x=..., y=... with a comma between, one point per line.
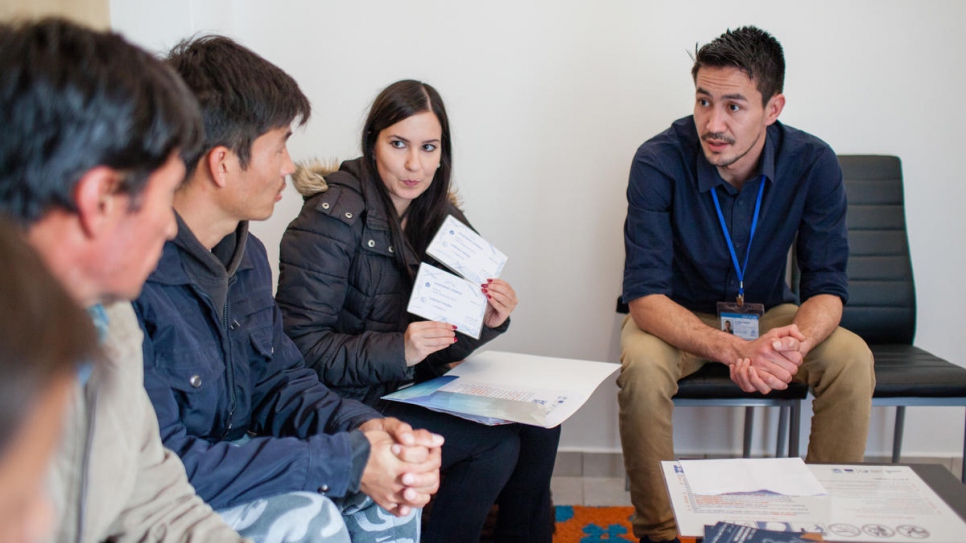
x=724, y=532
x=498, y=387
x=789, y=476
x=864, y=503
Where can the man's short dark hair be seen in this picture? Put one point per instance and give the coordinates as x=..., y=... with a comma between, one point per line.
x=753, y=51
x=72, y=99
x=44, y=334
x=242, y=95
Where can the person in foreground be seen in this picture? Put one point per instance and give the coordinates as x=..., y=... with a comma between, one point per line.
x=347, y=268
x=44, y=338
x=714, y=204
x=264, y=442
x=90, y=158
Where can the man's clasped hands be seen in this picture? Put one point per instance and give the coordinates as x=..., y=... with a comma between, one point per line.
x=403, y=467
x=769, y=362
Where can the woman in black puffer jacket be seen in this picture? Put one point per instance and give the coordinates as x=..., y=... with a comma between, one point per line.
x=347, y=267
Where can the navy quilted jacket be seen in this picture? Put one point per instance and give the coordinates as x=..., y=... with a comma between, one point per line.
x=218, y=374
x=344, y=297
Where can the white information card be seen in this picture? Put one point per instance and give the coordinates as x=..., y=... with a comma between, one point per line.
x=441, y=296
x=462, y=250
x=458, y=300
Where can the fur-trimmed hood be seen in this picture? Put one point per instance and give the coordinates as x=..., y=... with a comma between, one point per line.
x=309, y=179
x=309, y=176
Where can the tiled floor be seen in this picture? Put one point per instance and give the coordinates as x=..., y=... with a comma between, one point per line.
x=597, y=479
x=589, y=479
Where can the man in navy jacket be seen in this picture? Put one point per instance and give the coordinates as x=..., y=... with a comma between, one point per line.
x=263, y=441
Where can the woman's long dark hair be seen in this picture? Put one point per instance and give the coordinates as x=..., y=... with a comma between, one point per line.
x=395, y=103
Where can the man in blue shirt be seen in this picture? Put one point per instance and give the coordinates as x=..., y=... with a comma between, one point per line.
x=714, y=204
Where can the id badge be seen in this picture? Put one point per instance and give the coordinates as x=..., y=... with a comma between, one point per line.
x=740, y=320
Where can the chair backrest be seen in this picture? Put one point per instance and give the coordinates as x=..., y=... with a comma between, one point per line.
x=882, y=296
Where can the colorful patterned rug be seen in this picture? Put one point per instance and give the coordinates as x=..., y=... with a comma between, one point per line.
x=579, y=524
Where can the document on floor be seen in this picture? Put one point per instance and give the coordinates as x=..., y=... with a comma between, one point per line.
x=864, y=503
x=496, y=387
x=724, y=532
x=788, y=476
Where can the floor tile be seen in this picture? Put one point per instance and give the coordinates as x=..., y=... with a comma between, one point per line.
x=603, y=465
x=568, y=464
x=567, y=490
x=607, y=491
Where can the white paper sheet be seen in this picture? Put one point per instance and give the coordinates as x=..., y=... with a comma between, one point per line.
x=462, y=250
x=441, y=296
x=886, y=503
x=863, y=504
x=510, y=387
x=763, y=510
x=788, y=476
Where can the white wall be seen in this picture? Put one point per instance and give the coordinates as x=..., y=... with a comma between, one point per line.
x=548, y=101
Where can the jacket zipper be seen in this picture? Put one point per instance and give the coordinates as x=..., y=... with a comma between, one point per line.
x=229, y=365
x=85, y=468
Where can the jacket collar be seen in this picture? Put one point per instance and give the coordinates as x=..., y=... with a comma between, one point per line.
x=351, y=174
x=708, y=176
x=171, y=266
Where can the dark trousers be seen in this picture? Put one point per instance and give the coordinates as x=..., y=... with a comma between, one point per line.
x=508, y=465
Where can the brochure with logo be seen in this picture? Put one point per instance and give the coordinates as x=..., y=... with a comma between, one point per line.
x=499, y=387
x=864, y=503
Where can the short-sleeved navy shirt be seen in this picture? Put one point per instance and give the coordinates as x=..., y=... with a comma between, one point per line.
x=673, y=241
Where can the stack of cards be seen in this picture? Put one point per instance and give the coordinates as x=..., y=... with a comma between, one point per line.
x=723, y=532
x=439, y=295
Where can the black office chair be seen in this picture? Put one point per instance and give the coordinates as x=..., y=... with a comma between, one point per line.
x=882, y=299
x=712, y=386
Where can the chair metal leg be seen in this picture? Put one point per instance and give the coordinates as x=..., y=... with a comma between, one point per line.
x=963, y=477
x=794, y=428
x=749, y=428
x=897, y=434
x=782, y=429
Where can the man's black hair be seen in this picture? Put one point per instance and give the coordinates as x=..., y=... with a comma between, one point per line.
x=753, y=51
x=72, y=99
x=242, y=95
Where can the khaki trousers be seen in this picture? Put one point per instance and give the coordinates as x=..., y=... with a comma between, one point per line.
x=838, y=371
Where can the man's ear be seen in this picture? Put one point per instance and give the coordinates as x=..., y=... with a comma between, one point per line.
x=774, y=108
x=219, y=161
x=98, y=199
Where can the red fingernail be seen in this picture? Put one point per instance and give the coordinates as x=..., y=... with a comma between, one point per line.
x=454, y=327
x=489, y=281
x=454, y=340
x=488, y=297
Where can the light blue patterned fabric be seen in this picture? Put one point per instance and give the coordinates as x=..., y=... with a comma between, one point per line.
x=306, y=517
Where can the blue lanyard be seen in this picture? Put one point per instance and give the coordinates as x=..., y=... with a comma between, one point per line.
x=739, y=270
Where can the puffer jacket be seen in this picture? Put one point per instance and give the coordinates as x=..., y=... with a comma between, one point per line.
x=216, y=373
x=343, y=296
